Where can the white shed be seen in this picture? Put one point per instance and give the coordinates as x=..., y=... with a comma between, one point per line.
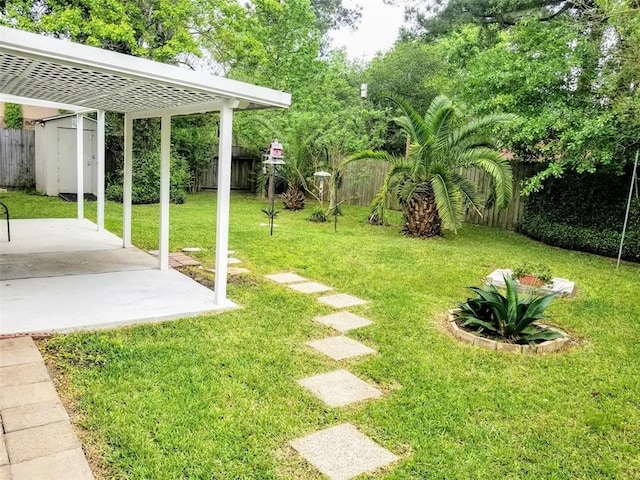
x=56, y=160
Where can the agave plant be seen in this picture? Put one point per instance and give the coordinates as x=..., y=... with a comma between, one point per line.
x=507, y=315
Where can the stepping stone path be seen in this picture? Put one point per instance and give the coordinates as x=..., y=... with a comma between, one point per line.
x=36, y=438
x=339, y=388
x=309, y=287
x=343, y=321
x=286, y=278
x=341, y=300
x=233, y=261
x=340, y=452
x=340, y=348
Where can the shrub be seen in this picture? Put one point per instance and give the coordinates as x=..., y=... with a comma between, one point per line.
x=507, y=316
x=318, y=215
x=584, y=212
x=13, y=116
x=146, y=180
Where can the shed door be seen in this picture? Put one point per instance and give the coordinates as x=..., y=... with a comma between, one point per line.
x=67, y=161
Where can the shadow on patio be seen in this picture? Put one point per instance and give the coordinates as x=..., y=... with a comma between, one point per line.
x=62, y=274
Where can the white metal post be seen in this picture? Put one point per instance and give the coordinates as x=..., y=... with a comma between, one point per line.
x=100, y=165
x=126, y=186
x=80, y=164
x=224, y=192
x=165, y=162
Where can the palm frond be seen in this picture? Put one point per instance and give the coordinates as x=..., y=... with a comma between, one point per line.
x=473, y=126
x=469, y=193
x=439, y=117
x=500, y=171
x=414, y=125
x=448, y=200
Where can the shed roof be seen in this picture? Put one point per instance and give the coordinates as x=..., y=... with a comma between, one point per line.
x=72, y=75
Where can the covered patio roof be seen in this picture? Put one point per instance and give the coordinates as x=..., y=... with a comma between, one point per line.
x=45, y=71
x=63, y=73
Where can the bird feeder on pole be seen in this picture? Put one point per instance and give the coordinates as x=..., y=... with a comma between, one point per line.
x=273, y=158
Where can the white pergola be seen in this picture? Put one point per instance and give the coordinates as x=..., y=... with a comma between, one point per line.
x=48, y=72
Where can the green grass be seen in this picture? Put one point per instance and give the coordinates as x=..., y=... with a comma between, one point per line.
x=216, y=397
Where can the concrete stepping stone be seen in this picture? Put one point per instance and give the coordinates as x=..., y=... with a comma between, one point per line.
x=191, y=249
x=341, y=300
x=343, y=321
x=237, y=270
x=309, y=287
x=339, y=388
x=342, y=452
x=233, y=261
x=286, y=277
x=341, y=347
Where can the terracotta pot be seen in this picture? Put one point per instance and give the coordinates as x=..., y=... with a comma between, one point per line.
x=530, y=280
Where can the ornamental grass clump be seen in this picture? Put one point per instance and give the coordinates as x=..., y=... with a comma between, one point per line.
x=507, y=316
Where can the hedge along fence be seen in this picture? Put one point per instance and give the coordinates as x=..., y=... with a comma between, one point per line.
x=585, y=212
x=362, y=181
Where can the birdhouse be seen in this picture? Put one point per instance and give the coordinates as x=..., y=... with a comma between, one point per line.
x=275, y=150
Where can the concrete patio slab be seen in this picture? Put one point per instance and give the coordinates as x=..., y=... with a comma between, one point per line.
x=343, y=321
x=309, y=287
x=69, y=464
x=24, y=445
x=339, y=388
x=341, y=347
x=343, y=452
x=33, y=415
x=24, y=373
x=106, y=300
x=39, y=235
x=62, y=274
x=53, y=264
x=19, y=356
x=286, y=277
x=26, y=394
x=341, y=300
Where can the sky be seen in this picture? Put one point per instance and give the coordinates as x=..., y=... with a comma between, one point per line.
x=377, y=30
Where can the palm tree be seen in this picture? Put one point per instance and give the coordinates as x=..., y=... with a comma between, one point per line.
x=428, y=183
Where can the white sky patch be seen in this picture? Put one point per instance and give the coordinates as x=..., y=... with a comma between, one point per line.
x=377, y=30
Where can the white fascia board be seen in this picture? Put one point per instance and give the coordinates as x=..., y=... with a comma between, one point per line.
x=190, y=109
x=31, y=45
x=43, y=103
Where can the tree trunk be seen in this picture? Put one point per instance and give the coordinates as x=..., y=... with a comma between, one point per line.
x=421, y=217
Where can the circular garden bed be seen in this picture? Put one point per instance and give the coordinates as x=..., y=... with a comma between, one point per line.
x=478, y=340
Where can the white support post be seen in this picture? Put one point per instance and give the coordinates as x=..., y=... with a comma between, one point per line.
x=100, y=165
x=165, y=162
x=224, y=192
x=126, y=187
x=80, y=164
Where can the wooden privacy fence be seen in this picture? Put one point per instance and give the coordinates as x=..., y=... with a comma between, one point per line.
x=242, y=172
x=362, y=181
x=17, y=158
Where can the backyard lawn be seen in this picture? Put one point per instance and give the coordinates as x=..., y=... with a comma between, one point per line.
x=216, y=396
